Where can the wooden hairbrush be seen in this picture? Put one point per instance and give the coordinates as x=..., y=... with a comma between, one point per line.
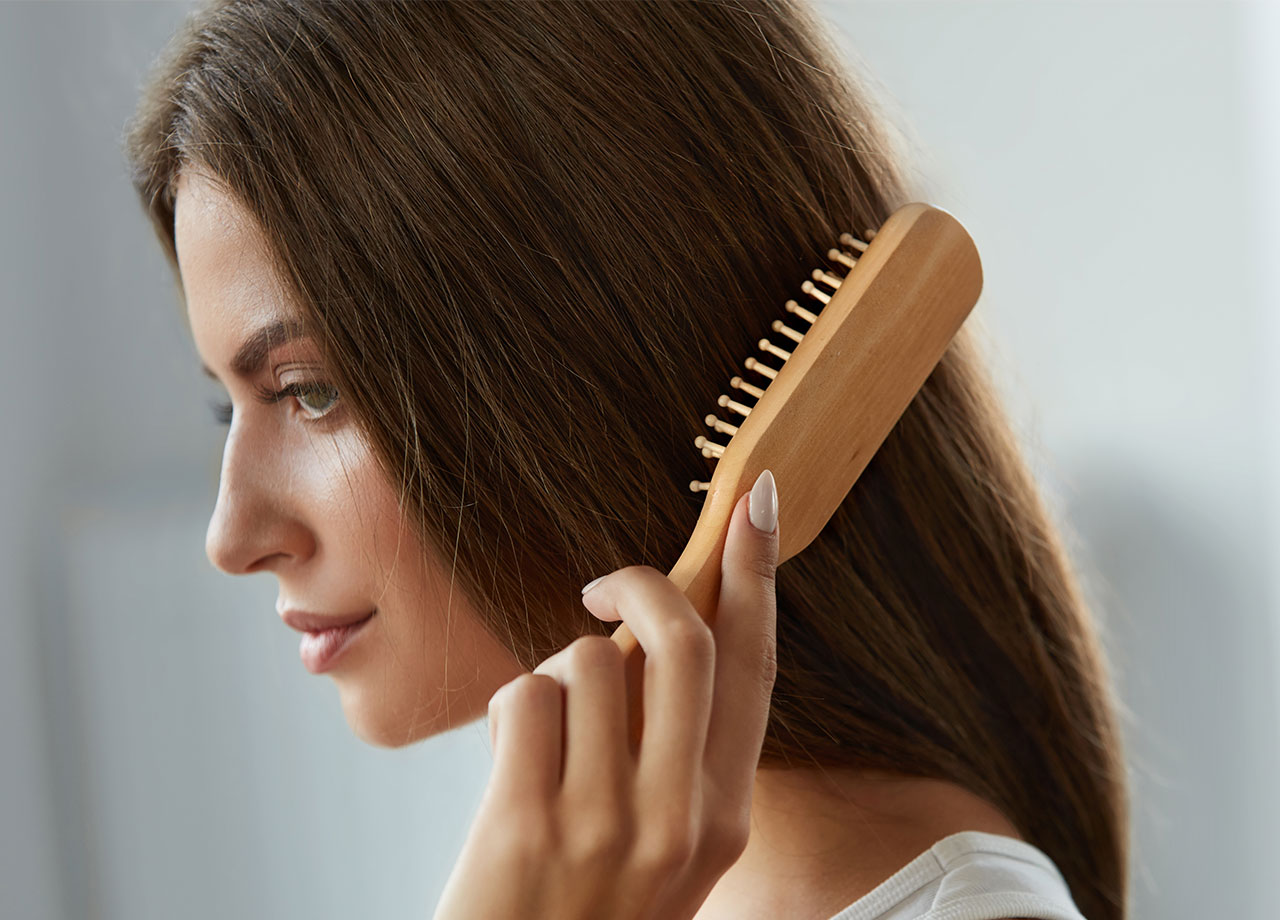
x=841, y=387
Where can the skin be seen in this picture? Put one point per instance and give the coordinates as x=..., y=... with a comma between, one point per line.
x=305, y=500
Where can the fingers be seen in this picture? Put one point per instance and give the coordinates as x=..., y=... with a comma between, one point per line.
x=526, y=718
x=678, y=671
x=596, y=751
x=745, y=632
x=706, y=690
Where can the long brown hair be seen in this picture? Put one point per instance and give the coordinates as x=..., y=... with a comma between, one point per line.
x=534, y=241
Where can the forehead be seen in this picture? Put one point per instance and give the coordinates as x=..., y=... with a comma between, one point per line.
x=228, y=281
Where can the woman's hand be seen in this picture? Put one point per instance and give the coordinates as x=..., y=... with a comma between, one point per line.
x=572, y=825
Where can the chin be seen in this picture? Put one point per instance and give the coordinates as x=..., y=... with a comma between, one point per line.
x=393, y=724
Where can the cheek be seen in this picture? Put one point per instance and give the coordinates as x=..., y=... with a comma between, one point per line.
x=378, y=537
x=360, y=508
x=434, y=666
x=391, y=544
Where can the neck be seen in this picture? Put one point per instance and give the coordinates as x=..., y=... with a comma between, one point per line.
x=821, y=839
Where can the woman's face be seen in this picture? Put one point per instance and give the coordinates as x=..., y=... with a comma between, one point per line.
x=301, y=496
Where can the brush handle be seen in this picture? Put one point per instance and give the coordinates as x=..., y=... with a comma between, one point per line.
x=697, y=574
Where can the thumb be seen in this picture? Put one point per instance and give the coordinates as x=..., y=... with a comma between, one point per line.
x=751, y=546
x=746, y=613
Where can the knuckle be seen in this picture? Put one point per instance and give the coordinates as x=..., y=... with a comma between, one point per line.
x=769, y=664
x=659, y=580
x=588, y=652
x=600, y=839
x=498, y=700
x=667, y=846
x=527, y=689
x=534, y=686
x=523, y=834
x=764, y=571
x=633, y=572
x=725, y=839
x=692, y=640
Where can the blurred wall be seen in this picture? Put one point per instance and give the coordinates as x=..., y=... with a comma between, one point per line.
x=166, y=755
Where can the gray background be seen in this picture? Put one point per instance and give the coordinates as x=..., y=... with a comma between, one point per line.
x=164, y=753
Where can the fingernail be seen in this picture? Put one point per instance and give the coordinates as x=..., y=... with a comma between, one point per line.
x=762, y=505
x=591, y=584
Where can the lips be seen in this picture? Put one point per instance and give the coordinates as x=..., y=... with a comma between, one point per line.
x=305, y=621
x=326, y=636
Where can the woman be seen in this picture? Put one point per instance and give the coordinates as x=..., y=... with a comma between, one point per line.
x=501, y=259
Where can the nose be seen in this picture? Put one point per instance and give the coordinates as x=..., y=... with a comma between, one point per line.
x=255, y=524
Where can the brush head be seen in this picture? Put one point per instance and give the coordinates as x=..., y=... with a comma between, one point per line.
x=827, y=387
x=821, y=399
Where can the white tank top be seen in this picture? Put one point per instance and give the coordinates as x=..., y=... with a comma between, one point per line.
x=970, y=875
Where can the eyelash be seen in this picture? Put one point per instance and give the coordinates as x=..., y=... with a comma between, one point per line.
x=222, y=410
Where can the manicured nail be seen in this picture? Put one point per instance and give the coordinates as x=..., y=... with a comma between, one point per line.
x=762, y=506
x=591, y=584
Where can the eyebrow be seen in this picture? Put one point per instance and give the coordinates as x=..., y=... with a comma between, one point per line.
x=250, y=357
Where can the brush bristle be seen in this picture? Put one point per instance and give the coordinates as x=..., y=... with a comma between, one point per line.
x=848, y=258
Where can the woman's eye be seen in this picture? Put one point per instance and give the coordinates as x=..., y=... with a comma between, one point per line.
x=317, y=399
x=305, y=392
